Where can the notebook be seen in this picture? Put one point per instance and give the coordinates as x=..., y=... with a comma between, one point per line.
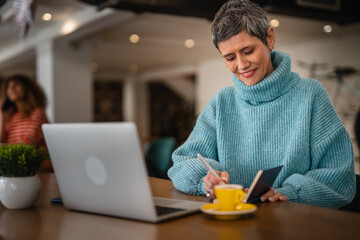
x=99, y=168
x=262, y=183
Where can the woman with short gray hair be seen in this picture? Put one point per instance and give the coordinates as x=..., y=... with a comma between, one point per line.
x=235, y=17
x=270, y=117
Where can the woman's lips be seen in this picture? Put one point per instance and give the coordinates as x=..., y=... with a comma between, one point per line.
x=249, y=73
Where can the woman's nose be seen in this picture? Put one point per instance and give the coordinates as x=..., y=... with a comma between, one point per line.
x=242, y=63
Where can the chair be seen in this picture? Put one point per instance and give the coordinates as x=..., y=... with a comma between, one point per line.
x=158, y=157
x=354, y=206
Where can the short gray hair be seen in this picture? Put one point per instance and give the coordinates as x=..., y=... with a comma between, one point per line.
x=238, y=15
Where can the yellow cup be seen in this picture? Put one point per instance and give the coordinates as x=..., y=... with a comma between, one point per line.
x=230, y=197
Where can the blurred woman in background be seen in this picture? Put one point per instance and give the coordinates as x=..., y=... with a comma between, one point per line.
x=22, y=113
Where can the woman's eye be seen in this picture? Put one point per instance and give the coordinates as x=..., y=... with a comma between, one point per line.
x=229, y=59
x=248, y=52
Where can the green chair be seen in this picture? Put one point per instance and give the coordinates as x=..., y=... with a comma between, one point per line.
x=158, y=157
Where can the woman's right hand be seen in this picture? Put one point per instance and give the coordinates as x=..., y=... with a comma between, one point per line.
x=2, y=101
x=2, y=121
x=211, y=181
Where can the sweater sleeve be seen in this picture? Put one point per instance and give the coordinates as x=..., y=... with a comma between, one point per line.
x=187, y=173
x=331, y=180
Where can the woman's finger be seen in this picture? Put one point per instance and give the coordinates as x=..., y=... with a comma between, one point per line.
x=283, y=198
x=210, y=182
x=213, y=180
x=207, y=185
x=275, y=197
x=224, y=177
x=267, y=195
x=209, y=191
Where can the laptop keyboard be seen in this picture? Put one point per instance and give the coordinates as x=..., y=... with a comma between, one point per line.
x=160, y=210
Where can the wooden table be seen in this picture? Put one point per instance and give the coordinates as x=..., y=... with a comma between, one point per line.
x=271, y=221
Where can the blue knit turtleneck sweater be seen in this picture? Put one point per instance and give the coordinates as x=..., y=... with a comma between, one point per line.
x=282, y=120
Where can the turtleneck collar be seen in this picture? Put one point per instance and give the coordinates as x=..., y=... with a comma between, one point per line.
x=272, y=86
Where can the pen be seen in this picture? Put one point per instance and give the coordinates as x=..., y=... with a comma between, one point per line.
x=207, y=166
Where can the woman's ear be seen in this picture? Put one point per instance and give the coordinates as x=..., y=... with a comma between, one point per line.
x=271, y=38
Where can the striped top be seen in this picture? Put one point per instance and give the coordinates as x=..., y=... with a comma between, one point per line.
x=282, y=120
x=26, y=130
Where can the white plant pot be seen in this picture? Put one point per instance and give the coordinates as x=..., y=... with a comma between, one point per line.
x=19, y=192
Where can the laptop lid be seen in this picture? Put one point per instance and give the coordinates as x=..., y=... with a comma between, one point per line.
x=100, y=168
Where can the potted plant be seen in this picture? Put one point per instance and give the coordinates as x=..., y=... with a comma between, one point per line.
x=19, y=185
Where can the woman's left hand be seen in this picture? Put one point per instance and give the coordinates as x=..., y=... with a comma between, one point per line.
x=273, y=196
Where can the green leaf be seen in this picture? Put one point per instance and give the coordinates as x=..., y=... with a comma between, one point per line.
x=20, y=160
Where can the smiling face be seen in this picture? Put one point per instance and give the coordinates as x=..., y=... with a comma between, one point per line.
x=247, y=57
x=15, y=91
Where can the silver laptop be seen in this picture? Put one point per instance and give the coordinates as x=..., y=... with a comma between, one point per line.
x=100, y=168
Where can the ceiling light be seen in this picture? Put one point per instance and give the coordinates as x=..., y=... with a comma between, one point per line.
x=189, y=43
x=133, y=68
x=46, y=17
x=134, y=38
x=328, y=28
x=274, y=23
x=68, y=27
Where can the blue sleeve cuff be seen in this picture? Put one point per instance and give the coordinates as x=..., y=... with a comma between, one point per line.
x=201, y=187
x=288, y=192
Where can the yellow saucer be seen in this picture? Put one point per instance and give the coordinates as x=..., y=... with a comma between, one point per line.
x=213, y=209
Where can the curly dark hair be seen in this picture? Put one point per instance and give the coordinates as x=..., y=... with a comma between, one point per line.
x=34, y=95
